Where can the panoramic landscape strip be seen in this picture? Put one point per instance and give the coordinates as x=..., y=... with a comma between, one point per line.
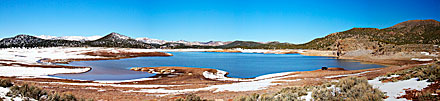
x=32, y=61
x=219, y=50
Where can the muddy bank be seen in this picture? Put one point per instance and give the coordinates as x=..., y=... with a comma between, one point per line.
x=366, y=56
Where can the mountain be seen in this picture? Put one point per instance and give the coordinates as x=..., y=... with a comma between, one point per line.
x=405, y=36
x=412, y=35
x=152, y=41
x=117, y=40
x=242, y=44
x=197, y=43
x=182, y=42
x=215, y=43
x=408, y=32
x=110, y=40
x=72, y=38
x=258, y=45
x=31, y=41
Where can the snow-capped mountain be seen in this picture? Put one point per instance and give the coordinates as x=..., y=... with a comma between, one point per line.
x=188, y=43
x=117, y=40
x=216, y=43
x=111, y=40
x=73, y=38
x=209, y=43
x=21, y=40
x=144, y=39
x=32, y=41
x=152, y=41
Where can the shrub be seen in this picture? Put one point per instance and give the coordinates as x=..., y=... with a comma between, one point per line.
x=428, y=97
x=425, y=72
x=54, y=97
x=350, y=88
x=285, y=94
x=5, y=83
x=68, y=97
x=253, y=97
x=191, y=97
x=29, y=91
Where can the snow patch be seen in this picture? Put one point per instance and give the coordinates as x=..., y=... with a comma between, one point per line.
x=424, y=53
x=396, y=89
x=307, y=97
x=14, y=71
x=73, y=38
x=417, y=59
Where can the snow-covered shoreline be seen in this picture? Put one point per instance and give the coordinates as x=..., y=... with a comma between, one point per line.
x=37, y=72
x=32, y=56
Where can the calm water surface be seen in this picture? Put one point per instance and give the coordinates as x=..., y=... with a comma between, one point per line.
x=239, y=65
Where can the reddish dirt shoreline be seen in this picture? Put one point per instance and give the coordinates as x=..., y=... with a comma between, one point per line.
x=195, y=81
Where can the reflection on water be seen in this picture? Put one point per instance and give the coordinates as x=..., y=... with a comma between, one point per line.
x=240, y=65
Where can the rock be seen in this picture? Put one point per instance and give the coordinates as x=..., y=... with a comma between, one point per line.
x=166, y=71
x=163, y=71
x=136, y=68
x=218, y=100
x=144, y=69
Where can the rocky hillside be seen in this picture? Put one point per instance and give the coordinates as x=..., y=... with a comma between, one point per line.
x=413, y=35
x=408, y=32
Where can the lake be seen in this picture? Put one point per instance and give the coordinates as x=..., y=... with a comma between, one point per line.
x=239, y=65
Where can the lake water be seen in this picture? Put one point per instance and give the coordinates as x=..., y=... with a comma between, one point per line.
x=239, y=65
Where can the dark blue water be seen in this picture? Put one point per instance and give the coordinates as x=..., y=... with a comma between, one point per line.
x=239, y=65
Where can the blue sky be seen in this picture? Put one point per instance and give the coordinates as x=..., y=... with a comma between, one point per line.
x=294, y=21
